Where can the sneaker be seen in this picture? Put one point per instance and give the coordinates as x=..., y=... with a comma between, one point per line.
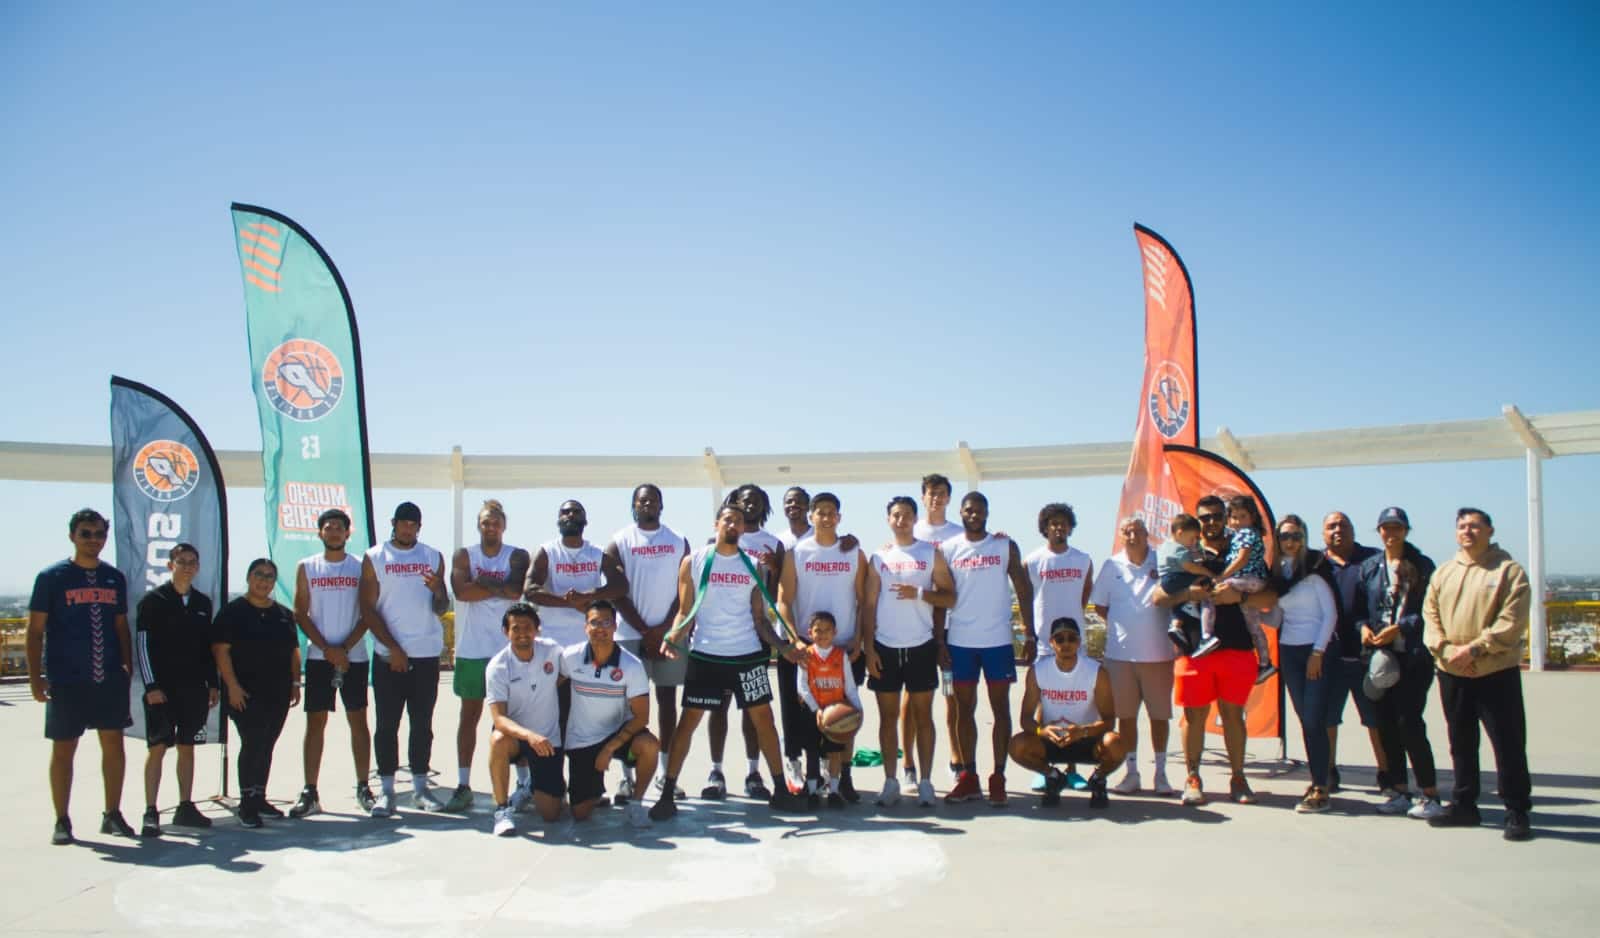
x=1097, y=792
x=249, y=812
x=890, y=793
x=1239, y=791
x=925, y=795
x=1077, y=782
x=1206, y=647
x=307, y=804
x=1333, y=780
x=364, y=798
x=1180, y=640
x=1053, y=784
x=112, y=822
x=997, y=790
x=1458, y=815
x=1129, y=784
x=426, y=800
x=522, y=798
x=188, y=815
x=1395, y=802
x=460, y=800
x=151, y=825
x=966, y=789
x=505, y=824
x=787, y=802
x=813, y=800
x=911, y=777
x=1517, y=827
x=847, y=788
x=624, y=792
x=1193, y=794
x=62, y=835
x=1315, y=802
x=716, y=786
x=1426, y=809
x=793, y=773
x=383, y=805
x=636, y=815
x=1040, y=782
x=1161, y=786
x=1266, y=670
x=665, y=809
x=267, y=809
x=836, y=800
x=661, y=786
x=755, y=787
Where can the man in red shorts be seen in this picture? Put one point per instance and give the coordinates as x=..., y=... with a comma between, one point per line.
x=1225, y=676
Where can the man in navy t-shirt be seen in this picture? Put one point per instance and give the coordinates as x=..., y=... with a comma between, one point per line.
x=78, y=655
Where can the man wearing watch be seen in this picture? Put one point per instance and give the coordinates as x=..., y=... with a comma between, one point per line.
x=1474, y=616
x=610, y=714
x=1067, y=714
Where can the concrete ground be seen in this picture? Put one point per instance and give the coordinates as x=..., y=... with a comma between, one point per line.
x=1146, y=865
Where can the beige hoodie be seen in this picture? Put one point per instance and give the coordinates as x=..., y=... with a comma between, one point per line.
x=1482, y=603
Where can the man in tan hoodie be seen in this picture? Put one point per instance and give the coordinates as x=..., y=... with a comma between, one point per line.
x=1474, y=618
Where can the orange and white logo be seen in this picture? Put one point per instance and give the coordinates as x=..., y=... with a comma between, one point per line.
x=166, y=470
x=1169, y=399
x=303, y=380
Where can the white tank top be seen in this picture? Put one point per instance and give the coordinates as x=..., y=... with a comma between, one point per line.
x=981, y=617
x=651, y=560
x=723, y=625
x=904, y=623
x=478, y=631
x=923, y=531
x=404, y=600
x=1067, y=696
x=570, y=569
x=756, y=543
x=1057, y=588
x=788, y=538
x=335, y=590
x=825, y=581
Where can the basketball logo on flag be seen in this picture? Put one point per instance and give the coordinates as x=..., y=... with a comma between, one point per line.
x=166, y=470
x=1169, y=397
x=303, y=380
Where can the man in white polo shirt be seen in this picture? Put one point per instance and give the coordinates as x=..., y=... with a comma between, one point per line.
x=520, y=686
x=610, y=714
x=1138, y=654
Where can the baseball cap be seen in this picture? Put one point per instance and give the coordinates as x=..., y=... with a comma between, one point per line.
x=1393, y=515
x=408, y=511
x=1065, y=624
x=1383, y=672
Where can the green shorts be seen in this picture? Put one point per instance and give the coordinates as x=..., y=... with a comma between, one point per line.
x=468, y=681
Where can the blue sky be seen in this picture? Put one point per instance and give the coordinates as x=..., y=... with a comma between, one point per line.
x=650, y=229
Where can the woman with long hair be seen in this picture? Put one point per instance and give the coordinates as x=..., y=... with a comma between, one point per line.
x=1307, y=613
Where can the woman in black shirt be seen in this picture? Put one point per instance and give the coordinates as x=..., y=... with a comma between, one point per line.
x=258, y=655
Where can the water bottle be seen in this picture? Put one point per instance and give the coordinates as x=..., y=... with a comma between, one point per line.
x=338, y=679
x=947, y=682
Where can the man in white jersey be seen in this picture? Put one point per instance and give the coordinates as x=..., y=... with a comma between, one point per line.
x=820, y=575
x=567, y=575
x=327, y=607
x=402, y=597
x=650, y=553
x=979, y=637
x=796, y=510
x=1066, y=716
x=610, y=714
x=906, y=582
x=1061, y=576
x=520, y=686
x=1138, y=654
x=723, y=618
x=935, y=528
x=486, y=579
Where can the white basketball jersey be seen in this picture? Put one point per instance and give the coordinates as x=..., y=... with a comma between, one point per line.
x=981, y=617
x=904, y=623
x=570, y=568
x=650, y=559
x=335, y=589
x=923, y=531
x=825, y=581
x=1057, y=588
x=1067, y=696
x=788, y=538
x=478, y=631
x=723, y=625
x=756, y=543
x=404, y=600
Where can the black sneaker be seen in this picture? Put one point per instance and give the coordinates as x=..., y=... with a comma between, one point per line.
x=1097, y=792
x=62, y=835
x=365, y=798
x=1180, y=640
x=847, y=788
x=665, y=808
x=836, y=799
x=755, y=786
x=267, y=808
x=112, y=822
x=151, y=825
x=1517, y=825
x=307, y=804
x=250, y=811
x=1458, y=815
x=188, y=815
x=1053, y=783
x=787, y=802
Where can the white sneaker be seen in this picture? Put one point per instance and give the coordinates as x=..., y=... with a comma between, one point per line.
x=794, y=774
x=426, y=800
x=636, y=815
x=1426, y=809
x=383, y=805
x=624, y=792
x=504, y=824
x=1129, y=784
x=522, y=797
x=1398, y=802
x=890, y=793
x=1161, y=786
x=925, y=795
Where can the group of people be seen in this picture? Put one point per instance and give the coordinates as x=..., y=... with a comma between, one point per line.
x=563, y=644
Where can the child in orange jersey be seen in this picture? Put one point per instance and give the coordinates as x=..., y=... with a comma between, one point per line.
x=825, y=679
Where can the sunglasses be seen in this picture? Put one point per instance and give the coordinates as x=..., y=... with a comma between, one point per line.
x=88, y=535
x=1208, y=517
x=1291, y=536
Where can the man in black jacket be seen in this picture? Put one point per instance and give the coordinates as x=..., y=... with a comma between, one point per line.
x=172, y=646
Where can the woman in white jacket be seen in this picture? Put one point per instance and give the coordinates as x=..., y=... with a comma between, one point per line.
x=1306, y=614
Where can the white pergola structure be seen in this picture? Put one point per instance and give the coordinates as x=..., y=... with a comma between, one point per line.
x=1508, y=436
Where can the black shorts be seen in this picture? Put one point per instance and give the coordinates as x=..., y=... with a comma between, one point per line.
x=319, y=686
x=585, y=782
x=914, y=670
x=546, y=770
x=74, y=708
x=181, y=721
x=712, y=679
x=1081, y=750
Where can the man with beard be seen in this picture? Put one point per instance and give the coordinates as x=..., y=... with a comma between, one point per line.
x=567, y=575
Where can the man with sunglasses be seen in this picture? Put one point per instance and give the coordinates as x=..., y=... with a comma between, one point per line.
x=1067, y=713
x=80, y=606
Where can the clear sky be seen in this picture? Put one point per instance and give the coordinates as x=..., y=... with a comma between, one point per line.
x=653, y=228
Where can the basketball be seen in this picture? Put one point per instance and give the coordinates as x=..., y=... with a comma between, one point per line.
x=840, y=720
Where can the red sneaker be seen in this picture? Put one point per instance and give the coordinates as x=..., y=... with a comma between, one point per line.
x=997, y=790
x=966, y=789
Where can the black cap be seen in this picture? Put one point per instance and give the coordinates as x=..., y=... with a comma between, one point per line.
x=1065, y=624
x=1393, y=515
x=408, y=511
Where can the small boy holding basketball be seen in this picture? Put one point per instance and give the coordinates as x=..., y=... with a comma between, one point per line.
x=828, y=688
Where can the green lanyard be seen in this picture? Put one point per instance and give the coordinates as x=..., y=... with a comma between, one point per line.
x=782, y=628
